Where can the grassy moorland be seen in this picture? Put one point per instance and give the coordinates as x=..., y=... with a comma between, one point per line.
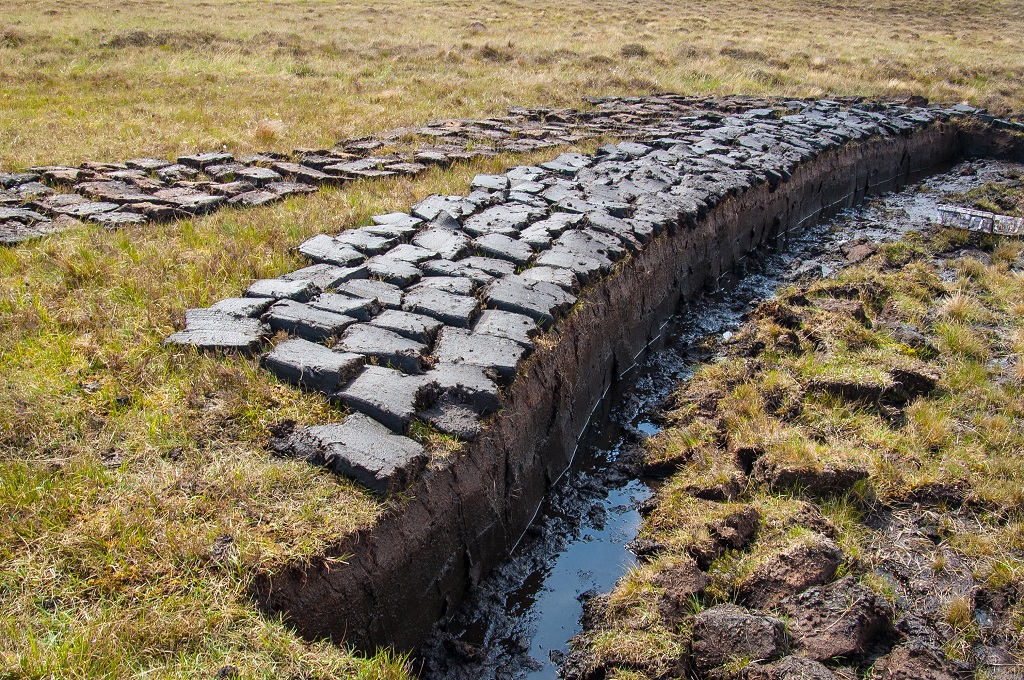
x=137, y=495
x=99, y=80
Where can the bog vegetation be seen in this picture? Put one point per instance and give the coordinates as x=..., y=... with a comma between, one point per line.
x=856, y=409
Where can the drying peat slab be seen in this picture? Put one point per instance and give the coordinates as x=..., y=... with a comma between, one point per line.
x=593, y=210
x=843, y=485
x=44, y=199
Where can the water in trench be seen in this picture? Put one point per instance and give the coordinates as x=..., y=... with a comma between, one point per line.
x=518, y=622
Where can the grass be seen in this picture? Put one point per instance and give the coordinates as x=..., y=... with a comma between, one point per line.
x=1004, y=198
x=959, y=445
x=952, y=434
x=112, y=80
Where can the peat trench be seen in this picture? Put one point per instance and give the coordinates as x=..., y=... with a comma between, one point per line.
x=519, y=621
x=436, y=317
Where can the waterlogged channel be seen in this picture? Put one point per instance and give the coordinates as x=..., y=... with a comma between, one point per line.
x=519, y=621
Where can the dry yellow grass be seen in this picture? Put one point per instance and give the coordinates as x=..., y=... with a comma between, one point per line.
x=108, y=80
x=125, y=465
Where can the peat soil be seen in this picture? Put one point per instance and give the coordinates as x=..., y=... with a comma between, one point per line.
x=518, y=622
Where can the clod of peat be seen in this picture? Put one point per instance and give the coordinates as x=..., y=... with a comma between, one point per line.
x=734, y=531
x=789, y=668
x=911, y=662
x=817, y=482
x=727, y=632
x=841, y=619
x=802, y=566
x=681, y=580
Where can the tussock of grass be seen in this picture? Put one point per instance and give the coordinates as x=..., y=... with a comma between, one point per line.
x=651, y=647
x=634, y=603
x=441, y=447
x=684, y=443
x=681, y=520
x=711, y=469
x=960, y=612
x=783, y=526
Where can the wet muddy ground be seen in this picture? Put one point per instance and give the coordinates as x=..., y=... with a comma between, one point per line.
x=518, y=622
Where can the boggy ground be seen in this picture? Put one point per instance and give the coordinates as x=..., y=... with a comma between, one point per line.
x=843, y=492
x=138, y=499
